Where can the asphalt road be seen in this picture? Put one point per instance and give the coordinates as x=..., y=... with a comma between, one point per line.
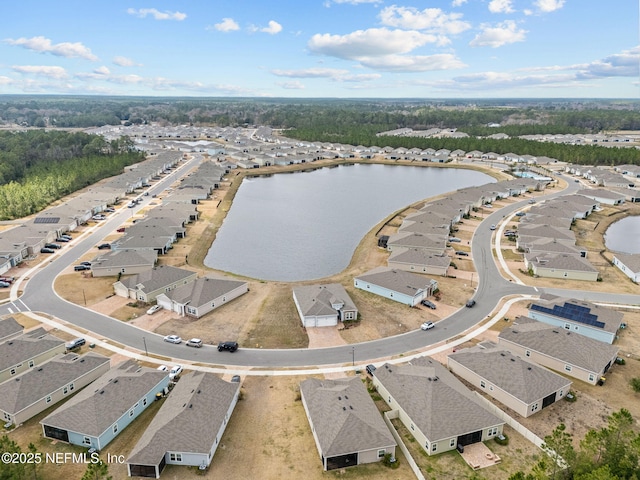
x=39, y=296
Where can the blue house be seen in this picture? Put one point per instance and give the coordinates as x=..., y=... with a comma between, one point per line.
x=404, y=287
x=97, y=414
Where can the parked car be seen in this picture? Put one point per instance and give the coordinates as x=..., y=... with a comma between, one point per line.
x=154, y=309
x=509, y=233
x=470, y=303
x=163, y=368
x=175, y=371
x=120, y=230
x=131, y=204
x=104, y=246
x=194, y=342
x=532, y=200
x=109, y=210
x=55, y=246
x=68, y=237
x=47, y=250
x=235, y=379
x=81, y=268
x=7, y=279
x=492, y=227
x=77, y=343
x=4, y=284
x=370, y=369
x=462, y=253
x=62, y=239
x=173, y=339
x=228, y=346
x=427, y=325
x=99, y=217
x=520, y=214
x=454, y=240
x=428, y=304
x=88, y=264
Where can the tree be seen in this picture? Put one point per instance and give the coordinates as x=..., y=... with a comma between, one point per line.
x=97, y=471
x=560, y=447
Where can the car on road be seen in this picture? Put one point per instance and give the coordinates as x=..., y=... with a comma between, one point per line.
x=55, y=246
x=454, y=240
x=154, y=309
x=194, y=342
x=47, y=250
x=175, y=371
x=520, y=214
x=427, y=325
x=533, y=200
x=371, y=369
x=428, y=304
x=77, y=343
x=81, y=268
x=462, y=253
x=492, y=227
x=228, y=346
x=104, y=246
x=99, y=217
x=173, y=339
x=163, y=368
x=120, y=230
x=470, y=303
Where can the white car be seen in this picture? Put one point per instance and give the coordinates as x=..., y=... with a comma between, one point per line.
x=99, y=217
x=154, y=309
x=173, y=339
x=175, y=371
x=427, y=325
x=163, y=368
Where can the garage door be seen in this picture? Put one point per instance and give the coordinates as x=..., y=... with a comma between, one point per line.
x=342, y=461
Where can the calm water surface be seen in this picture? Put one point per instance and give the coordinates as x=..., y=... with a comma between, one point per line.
x=306, y=225
x=623, y=235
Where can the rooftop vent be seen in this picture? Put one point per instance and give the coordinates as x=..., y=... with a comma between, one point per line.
x=344, y=408
x=513, y=359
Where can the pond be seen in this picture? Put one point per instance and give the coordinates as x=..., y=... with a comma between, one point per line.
x=622, y=236
x=306, y=225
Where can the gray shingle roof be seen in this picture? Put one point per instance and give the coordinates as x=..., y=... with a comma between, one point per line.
x=157, y=277
x=188, y=421
x=526, y=381
x=317, y=299
x=396, y=280
x=560, y=261
x=418, y=240
x=203, y=290
x=344, y=417
x=27, y=346
x=417, y=256
x=20, y=392
x=96, y=408
x=437, y=402
x=125, y=258
x=9, y=326
x=631, y=261
x=611, y=318
x=584, y=352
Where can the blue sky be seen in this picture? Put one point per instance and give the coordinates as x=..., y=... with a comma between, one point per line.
x=322, y=48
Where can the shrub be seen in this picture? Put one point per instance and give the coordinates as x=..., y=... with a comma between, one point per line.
x=502, y=439
x=387, y=461
x=635, y=384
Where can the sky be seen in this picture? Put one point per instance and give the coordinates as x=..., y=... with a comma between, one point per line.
x=322, y=48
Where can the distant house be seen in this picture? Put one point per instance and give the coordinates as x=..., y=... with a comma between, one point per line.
x=573, y=355
x=603, y=196
x=197, y=298
x=346, y=425
x=9, y=328
x=578, y=316
x=629, y=265
x=147, y=285
x=98, y=414
x=404, y=287
x=561, y=265
x=419, y=261
x=188, y=427
x=42, y=387
x=439, y=411
x=522, y=386
x=123, y=262
x=19, y=354
x=324, y=305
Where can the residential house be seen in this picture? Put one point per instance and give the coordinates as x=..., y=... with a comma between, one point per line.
x=552, y=347
x=123, y=262
x=41, y=387
x=434, y=244
x=629, y=265
x=188, y=427
x=346, y=425
x=419, y=261
x=9, y=328
x=398, y=285
x=518, y=384
x=323, y=305
x=561, y=265
x=96, y=415
x=19, y=354
x=199, y=297
x=147, y=285
x=601, y=195
x=434, y=406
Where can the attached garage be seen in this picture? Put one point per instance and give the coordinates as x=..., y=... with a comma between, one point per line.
x=341, y=461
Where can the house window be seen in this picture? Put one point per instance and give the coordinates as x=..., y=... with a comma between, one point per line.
x=560, y=393
x=452, y=442
x=144, y=402
x=131, y=412
x=175, y=457
x=213, y=305
x=136, y=405
x=412, y=427
x=567, y=368
x=65, y=390
x=349, y=315
x=86, y=440
x=592, y=377
x=115, y=428
x=534, y=407
x=31, y=363
x=492, y=431
x=482, y=384
x=224, y=299
x=13, y=371
x=434, y=447
x=567, y=326
x=7, y=416
x=71, y=387
x=48, y=399
x=191, y=310
x=381, y=453
x=527, y=353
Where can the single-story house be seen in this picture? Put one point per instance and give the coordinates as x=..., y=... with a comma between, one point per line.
x=433, y=244
x=419, y=261
x=573, y=355
x=123, y=262
x=9, y=328
x=439, y=411
x=629, y=264
x=578, y=316
x=603, y=196
x=201, y=296
x=42, y=387
x=188, y=427
x=520, y=385
x=147, y=285
x=96, y=415
x=404, y=287
x=323, y=305
x=22, y=353
x=561, y=265
x=346, y=425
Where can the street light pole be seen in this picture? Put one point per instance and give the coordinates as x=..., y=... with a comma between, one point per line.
x=353, y=356
x=144, y=340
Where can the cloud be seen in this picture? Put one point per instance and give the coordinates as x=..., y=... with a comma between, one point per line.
x=102, y=71
x=504, y=81
x=458, y=3
x=547, y=6
x=156, y=14
x=431, y=19
x=41, y=70
x=125, y=62
x=310, y=73
x=413, y=63
x=369, y=43
x=360, y=77
x=227, y=25
x=295, y=85
x=43, y=45
x=352, y=2
x=502, y=34
x=5, y=80
x=273, y=28
x=625, y=64
x=501, y=6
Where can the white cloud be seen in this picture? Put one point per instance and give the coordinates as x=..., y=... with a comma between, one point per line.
x=369, y=43
x=458, y=3
x=125, y=62
x=43, y=45
x=227, y=25
x=625, y=64
x=5, y=80
x=412, y=63
x=156, y=14
x=360, y=77
x=41, y=70
x=547, y=6
x=273, y=28
x=295, y=85
x=310, y=73
x=352, y=2
x=102, y=71
x=431, y=19
x=504, y=81
x=501, y=6
x=502, y=34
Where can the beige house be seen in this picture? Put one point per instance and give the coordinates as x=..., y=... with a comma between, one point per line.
x=552, y=265
x=324, y=305
x=346, y=425
x=27, y=351
x=552, y=347
x=123, y=262
x=146, y=286
x=522, y=386
x=419, y=261
x=40, y=388
x=439, y=411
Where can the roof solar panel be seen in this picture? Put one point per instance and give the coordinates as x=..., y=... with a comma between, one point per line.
x=570, y=311
x=46, y=220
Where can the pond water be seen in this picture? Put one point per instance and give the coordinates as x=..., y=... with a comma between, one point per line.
x=623, y=235
x=306, y=225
